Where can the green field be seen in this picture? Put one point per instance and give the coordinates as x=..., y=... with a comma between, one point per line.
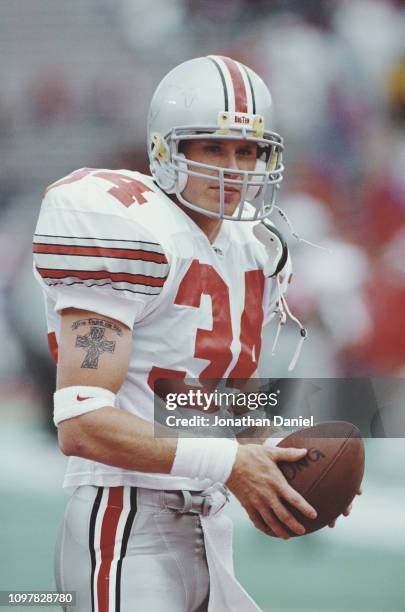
x=358, y=566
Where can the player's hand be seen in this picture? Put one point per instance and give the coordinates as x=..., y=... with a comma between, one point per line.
x=262, y=489
x=345, y=512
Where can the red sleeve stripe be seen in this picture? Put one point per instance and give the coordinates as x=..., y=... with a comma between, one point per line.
x=241, y=104
x=87, y=251
x=53, y=346
x=152, y=291
x=115, y=277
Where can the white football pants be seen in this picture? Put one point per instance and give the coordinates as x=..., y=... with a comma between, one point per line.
x=123, y=549
x=127, y=549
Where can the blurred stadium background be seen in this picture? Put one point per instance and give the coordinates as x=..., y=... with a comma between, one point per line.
x=76, y=80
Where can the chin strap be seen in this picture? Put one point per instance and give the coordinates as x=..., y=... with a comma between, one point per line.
x=278, y=266
x=282, y=308
x=283, y=311
x=283, y=215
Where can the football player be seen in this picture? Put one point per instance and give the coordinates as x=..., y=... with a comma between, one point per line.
x=162, y=276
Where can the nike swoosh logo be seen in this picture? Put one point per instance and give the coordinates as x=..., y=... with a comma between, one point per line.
x=81, y=399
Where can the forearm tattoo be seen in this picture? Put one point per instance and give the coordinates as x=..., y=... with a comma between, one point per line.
x=94, y=342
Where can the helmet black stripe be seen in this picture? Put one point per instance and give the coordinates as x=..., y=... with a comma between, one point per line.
x=223, y=83
x=251, y=88
x=124, y=545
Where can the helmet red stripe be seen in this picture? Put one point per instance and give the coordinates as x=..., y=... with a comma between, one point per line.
x=241, y=104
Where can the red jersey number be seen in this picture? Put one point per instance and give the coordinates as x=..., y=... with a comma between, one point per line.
x=214, y=345
x=125, y=189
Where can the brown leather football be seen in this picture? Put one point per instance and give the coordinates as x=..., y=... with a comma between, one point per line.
x=330, y=475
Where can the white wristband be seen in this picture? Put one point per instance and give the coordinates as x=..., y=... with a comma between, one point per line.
x=74, y=401
x=203, y=458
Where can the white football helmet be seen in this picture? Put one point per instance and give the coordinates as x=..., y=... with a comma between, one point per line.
x=215, y=97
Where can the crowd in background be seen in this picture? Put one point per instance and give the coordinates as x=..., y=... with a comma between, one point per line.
x=77, y=78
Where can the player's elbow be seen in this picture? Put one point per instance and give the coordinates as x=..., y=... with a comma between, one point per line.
x=71, y=439
x=67, y=445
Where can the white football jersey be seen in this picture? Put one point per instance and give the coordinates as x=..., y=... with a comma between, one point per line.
x=111, y=242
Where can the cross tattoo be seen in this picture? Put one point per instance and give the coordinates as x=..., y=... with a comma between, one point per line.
x=96, y=345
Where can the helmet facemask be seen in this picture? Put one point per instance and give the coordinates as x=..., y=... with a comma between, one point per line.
x=172, y=169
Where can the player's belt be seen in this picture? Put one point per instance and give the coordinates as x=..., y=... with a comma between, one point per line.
x=207, y=503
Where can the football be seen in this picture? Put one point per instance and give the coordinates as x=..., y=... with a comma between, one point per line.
x=329, y=476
